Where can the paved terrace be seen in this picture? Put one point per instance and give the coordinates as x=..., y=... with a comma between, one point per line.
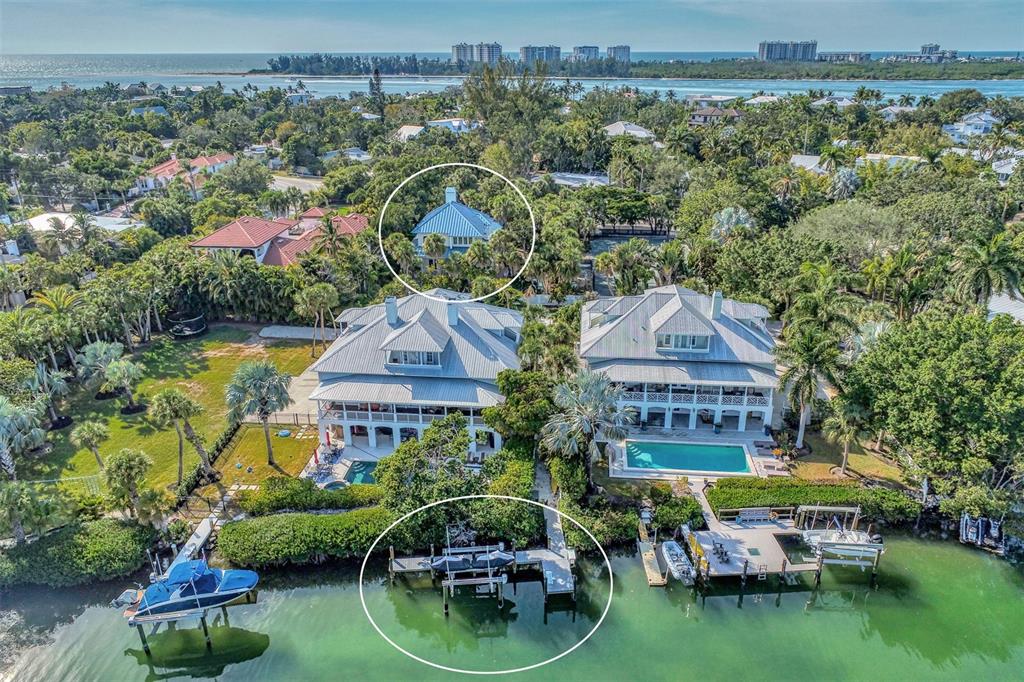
x=751, y=542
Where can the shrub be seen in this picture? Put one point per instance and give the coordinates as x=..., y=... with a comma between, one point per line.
x=568, y=478
x=673, y=513
x=76, y=554
x=301, y=538
x=282, y=493
x=191, y=480
x=736, y=493
x=661, y=492
x=610, y=526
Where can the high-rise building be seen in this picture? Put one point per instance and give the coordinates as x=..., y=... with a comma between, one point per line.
x=619, y=53
x=585, y=53
x=787, y=50
x=930, y=48
x=488, y=53
x=549, y=54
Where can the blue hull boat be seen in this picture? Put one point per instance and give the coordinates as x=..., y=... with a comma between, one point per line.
x=190, y=586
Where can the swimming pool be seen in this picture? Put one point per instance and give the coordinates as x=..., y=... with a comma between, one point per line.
x=668, y=457
x=360, y=472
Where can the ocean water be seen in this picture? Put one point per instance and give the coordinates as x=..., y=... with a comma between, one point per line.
x=92, y=70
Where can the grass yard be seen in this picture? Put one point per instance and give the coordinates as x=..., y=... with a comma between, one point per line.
x=201, y=368
x=250, y=450
x=824, y=455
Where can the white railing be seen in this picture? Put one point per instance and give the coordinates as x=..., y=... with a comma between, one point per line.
x=633, y=395
x=757, y=400
x=405, y=417
x=732, y=400
x=707, y=399
x=657, y=397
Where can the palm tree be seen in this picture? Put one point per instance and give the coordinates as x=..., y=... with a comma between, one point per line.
x=258, y=389
x=590, y=411
x=84, y=225
x=822, y=300
x=124, y=374
x=435, y=246
x=845, y=184
x=809, y=355
x=172, y=406
x=318, y=302
x=844, y=426
x=401, y=251
x=89, y=435
x=94, y=360
x=987, y=267
x=330, y=240
x=126, y=470
x=61, y=236
x=19, y=432
x=49, y=386
x=478, y=255
x=729, y=222
x=672, y=261
x=61, y=302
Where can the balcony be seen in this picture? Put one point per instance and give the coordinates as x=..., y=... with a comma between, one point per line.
x=705, y=396
x=386, y=416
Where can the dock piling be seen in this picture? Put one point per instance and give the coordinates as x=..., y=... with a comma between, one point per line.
x=145, y=642
x=206, y=631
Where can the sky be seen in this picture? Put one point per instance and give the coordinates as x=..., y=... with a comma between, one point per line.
x=261, y=26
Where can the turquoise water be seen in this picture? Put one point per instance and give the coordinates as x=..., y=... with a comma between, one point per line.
x=730, y=459
x=360, y=472
x=940, y=612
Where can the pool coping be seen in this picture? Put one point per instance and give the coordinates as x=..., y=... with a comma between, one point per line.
x=627, y=471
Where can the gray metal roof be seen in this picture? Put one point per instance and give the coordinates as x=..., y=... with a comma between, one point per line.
x=678, y=317
x=607, y=332
x=1004, y=304
x=700, y=373
x=408, y=391
x=474, y=350
x=455, y=219
x=422, y=333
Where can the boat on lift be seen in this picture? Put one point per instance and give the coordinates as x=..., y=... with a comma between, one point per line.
x=678, y=563
x=843, y=543
x=190, y=587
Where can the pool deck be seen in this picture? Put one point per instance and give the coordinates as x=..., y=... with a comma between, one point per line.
x=759, y=465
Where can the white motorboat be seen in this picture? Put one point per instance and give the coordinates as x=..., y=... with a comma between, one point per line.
x=678, y=563
x=844, y=544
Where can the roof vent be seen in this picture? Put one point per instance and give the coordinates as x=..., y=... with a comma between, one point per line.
x=449, y=195
x=391, y=308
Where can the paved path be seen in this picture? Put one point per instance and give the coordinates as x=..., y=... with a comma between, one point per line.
x=307, y=185
x=554, y=561
x=281, y=331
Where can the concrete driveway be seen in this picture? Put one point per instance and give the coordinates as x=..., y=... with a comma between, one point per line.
x=307, y=185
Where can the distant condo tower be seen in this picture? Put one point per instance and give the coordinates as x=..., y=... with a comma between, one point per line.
x=787, y=51
x=585, y=53
x=619, y=53
x=550, y=54
x=487, y=53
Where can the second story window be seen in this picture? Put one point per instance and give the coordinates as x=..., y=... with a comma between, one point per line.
x=682, y=342
x=462, y=241
x=413, y=357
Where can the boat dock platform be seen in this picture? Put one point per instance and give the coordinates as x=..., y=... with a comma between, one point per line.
x=656, y=575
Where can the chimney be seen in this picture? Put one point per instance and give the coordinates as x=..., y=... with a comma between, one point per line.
x=453, y=314
x=716, y=305
x=449, y=195
x=391, y=308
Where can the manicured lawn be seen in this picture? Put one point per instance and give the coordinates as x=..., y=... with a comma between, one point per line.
x=825, y=455
x=201, y=368
x=250, y=450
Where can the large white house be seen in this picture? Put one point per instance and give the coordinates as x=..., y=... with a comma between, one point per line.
x=397, y=366
x=685, y=360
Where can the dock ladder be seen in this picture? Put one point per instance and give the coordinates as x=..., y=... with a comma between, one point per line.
x=762, y=572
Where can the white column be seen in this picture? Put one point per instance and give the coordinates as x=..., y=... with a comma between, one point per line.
x=743, y=420
x=322, y=427
x=472, y=439
x=643, y=413
x=497, y=440
x=371, y=432
x=693, y=420
x=668, y=418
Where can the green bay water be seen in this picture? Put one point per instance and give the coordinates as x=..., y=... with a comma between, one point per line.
x=940, y=612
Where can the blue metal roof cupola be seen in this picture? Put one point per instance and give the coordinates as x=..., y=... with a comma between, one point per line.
x=459, y=224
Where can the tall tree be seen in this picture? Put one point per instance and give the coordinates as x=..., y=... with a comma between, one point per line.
x=124, y=374
x=19, y=432
x=988, y=267
x=172, y=406
x=844, y=426
x=125, y=473
x=810, y=356
x=89, y=435
x=258, y=389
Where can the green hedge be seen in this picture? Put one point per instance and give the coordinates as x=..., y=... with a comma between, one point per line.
x=191, y=480
x=301, y=538
x=279, y=493
x=881, y=503
x=609, y=525
x=674, y=512
x=76, y=554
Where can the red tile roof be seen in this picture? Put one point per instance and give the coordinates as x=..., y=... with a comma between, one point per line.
x=353, y=223
x=286, y=250
x=216, y=159
x=167, y=169
x=245, y=233
x=315, y=212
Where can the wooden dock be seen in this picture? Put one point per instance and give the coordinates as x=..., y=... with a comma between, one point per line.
x=655, y=576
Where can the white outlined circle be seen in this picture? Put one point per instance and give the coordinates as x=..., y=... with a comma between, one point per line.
x=607, y=606
x=439, y=299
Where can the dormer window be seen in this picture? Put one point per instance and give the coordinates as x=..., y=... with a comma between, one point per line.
x=682, y=342
x=414, y=357
x=462, y=241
